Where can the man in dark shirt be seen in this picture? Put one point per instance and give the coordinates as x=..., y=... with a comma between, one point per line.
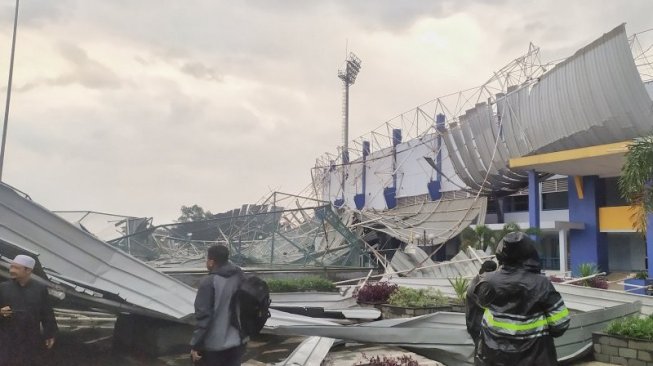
x=216, y=341
x=24, y=308
x=473, y=312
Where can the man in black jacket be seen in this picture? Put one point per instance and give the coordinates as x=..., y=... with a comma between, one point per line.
x=215, y=341
x=24, y=309
x=473, y=312
x=523, y=311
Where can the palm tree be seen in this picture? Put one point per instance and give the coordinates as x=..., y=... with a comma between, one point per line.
x=478, y=238
x=482, y=237
x=636, y=180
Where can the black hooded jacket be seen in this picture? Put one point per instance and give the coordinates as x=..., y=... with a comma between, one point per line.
x=522, y=314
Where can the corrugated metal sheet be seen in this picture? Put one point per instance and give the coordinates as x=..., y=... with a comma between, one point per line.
x=443, y=336
x=79, y=255
x=466, y=263
x=594, y=97
x=439, y=220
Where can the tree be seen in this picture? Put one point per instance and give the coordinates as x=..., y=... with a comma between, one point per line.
x=482, y=237
x=478, y=238
x=194, y=213
x=636, y=180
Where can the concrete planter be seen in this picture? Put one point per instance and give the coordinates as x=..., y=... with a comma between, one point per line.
x=622, y=350
x=392, y=312
x=637, y=282
x=370, y=304
x=457, y=308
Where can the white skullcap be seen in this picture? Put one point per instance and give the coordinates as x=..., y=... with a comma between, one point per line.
x=25, y=261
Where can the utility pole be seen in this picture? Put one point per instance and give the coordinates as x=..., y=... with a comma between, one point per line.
x=11, y=73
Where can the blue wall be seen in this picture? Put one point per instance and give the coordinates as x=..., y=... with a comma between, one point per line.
x=588, y=245
x=533, y=199
x=649, y=244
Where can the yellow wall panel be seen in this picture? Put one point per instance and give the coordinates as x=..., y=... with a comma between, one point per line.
x=616, y=219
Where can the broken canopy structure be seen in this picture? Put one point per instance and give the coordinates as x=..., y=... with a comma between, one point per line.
x=431, y=222
x=76, y=256
x=594, y=97
x=443, y=336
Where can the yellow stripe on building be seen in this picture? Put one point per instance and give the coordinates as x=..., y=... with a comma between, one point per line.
x=616, y=219
x=568, y=155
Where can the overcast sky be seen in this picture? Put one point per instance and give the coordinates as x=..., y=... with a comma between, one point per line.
x=139, y=107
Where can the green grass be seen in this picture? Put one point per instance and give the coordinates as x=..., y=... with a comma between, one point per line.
x=411, y=298
x=303, y=284
x=633, y=327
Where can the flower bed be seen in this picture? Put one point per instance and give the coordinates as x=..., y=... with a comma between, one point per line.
x=375, y=293
x=303, y=284
x=408, y=302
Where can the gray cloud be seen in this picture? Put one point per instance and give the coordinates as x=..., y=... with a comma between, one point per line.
x=85, y=71
x=36, y=13
x=200, y=71
x=146, y=143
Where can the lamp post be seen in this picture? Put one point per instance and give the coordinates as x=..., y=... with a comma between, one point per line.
x=11, y=73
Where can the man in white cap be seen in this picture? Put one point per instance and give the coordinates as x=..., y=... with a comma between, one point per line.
x=24, y=310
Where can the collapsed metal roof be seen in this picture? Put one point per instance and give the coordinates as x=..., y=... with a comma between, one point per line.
x=71, y=252
x=434, y=222
x=594, y=97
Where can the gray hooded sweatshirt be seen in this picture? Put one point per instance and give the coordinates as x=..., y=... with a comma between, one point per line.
x=213, y=331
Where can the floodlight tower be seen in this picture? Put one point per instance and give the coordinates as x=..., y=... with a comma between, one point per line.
x=348, y=77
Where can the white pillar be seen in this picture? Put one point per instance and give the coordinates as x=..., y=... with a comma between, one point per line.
x=562, y=249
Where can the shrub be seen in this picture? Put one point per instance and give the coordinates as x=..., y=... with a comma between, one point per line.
x=411, y=298
x=376, y=292
x=587, y=269
x=404, y=360
x=301, y=284
x=460, y=285
x=598, y=282
x=633, y=327
x=642, y=275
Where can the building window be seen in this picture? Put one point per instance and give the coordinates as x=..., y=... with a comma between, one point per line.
x=516, y=203
x=491, y=205
x=555, y=201
x=612, y=196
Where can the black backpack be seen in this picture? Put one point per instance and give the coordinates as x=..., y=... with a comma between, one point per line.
x=250, y=306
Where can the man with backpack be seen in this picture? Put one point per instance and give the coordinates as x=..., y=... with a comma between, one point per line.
x=217, y=339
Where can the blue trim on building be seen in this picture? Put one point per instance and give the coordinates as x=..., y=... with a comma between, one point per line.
x=434, y=186
x=588, y=245
x=649, y=244
x=339, y=202
x=390, y=195
x=439, y=126
x=533, y=199
x=434, y=190
x=396, y=136
x=359, y=199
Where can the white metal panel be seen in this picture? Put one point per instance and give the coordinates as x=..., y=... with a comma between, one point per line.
x=413, y=172
x=379, y=176
x=649, y=88
x=353, y=182
x=554, y=215
x=449, y=181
